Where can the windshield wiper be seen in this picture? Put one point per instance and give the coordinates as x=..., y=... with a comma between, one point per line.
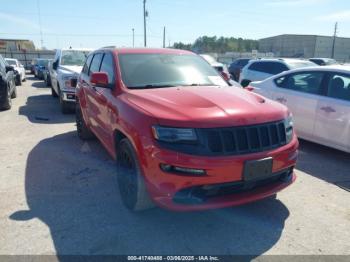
x=151, y=86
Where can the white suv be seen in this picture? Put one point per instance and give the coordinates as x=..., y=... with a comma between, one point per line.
x=261, y=69
x=64, y=73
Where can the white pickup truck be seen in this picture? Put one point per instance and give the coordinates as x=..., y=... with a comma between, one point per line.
x=64, y=73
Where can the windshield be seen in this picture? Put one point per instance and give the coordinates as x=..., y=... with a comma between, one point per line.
x=166, y=70
x=299, y=64
x=209, y=59
x=43, y=62
x=11, y=62
x=74, y=57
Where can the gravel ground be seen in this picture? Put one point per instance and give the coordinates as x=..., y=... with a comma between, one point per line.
x=58, y=197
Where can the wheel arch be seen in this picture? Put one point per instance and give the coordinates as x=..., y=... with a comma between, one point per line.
x=120, y=135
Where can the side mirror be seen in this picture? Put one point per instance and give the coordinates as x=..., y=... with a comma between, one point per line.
x=55, y=65
x=9, y=68
x=99, y=79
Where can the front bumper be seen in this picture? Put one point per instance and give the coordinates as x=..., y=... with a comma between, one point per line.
x=180, y=192
x=68, y=95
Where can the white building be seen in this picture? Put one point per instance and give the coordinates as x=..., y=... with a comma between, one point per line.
x=306, y=46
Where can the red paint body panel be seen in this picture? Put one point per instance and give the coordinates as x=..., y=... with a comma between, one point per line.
x=134, y=112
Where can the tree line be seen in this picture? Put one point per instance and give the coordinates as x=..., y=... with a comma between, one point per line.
x=206, y=44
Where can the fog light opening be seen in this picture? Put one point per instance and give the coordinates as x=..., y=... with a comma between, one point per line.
x=182, y=170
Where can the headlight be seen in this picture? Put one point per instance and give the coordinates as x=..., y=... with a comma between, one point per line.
x=288, y=123
x=172, y=135
x=69, y=81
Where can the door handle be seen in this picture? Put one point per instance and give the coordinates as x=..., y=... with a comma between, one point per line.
x=281, y=99
x=328, y=109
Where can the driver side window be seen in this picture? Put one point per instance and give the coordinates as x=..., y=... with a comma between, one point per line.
x=87, y=65
x=306, y=82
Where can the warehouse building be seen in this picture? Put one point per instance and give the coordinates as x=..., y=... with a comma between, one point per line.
x=16, y=45
x=306, y=46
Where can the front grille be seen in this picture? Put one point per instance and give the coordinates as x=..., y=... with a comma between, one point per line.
x=230, y=141
x=243, y=140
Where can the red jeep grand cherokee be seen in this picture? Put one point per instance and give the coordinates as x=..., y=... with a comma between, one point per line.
x=183, y=139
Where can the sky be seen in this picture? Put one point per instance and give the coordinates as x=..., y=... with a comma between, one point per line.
x=93, y=24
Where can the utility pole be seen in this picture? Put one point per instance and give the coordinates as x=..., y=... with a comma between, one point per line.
x=144, y=23
x=133, y=37
x=41, y=31
x=334, y=37
x=164, y=37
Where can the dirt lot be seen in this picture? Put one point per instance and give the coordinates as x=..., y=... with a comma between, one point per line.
x=58, y=197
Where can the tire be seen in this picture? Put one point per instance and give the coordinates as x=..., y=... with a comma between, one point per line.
x=131, y=183
x=47, y=81
x=84, y=133
x=53, y=92
x=8, y=102
x=18, y=81
x=245, y=82
x=14, y=92
x=65, y=107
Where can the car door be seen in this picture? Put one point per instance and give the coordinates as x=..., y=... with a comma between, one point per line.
x=9, y=75
x=93, y=101
x=332, y=125
x=104, y=97
x=54, y=72
x=3, y=83
x=300, y=92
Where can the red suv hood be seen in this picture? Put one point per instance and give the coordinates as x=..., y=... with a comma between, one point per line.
x=206, y=106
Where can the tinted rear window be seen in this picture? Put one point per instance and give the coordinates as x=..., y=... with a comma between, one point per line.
x=268, y=67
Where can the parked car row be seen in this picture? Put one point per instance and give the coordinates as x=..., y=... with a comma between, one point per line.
x=10, y=76
x=20, y=72
x=271, y=67
x=39, y=67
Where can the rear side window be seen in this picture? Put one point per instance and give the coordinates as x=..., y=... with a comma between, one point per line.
x=107, y=66
x=96, y=63
x=257, y=66
x=87, y=65
x=272, y=68
x=307, y=82
x=318, y=61
x=339, y=87
x=277, y=68
x=243, y=62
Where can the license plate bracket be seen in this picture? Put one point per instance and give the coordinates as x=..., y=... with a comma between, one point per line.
x=257, y=169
